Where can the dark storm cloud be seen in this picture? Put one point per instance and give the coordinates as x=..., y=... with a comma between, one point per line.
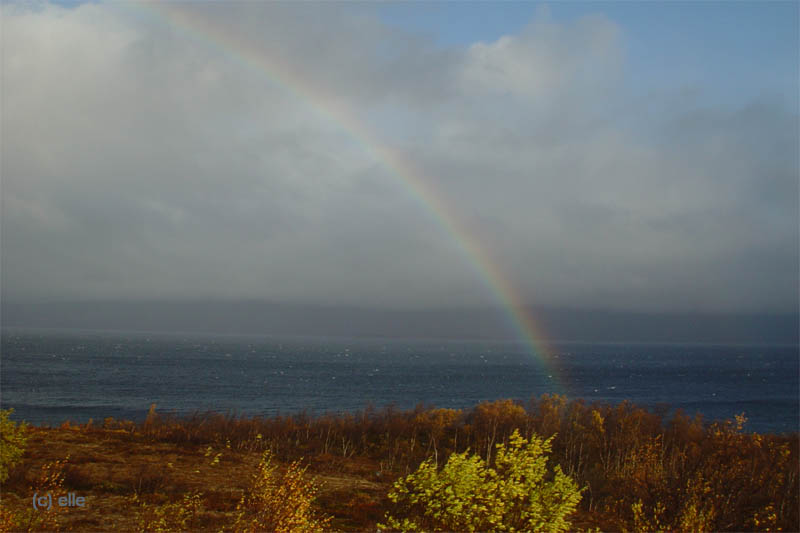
x=142, y=161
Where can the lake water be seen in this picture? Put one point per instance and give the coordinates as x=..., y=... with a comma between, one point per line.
x=51, y=376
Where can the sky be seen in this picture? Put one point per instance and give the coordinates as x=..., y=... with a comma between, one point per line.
x=623, y=156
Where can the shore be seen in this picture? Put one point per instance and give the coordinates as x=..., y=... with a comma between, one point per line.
x=638, y=471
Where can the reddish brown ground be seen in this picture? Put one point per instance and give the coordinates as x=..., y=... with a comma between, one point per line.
x=109, y=467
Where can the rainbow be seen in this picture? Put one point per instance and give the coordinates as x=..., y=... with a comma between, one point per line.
x=328, y=107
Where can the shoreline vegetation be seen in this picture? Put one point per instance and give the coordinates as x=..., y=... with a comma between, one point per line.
x=625, y=468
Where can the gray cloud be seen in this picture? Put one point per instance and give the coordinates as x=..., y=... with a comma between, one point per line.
x=141, y=160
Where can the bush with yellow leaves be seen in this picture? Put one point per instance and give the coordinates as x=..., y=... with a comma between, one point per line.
x=50, y=480
x=279, y=502
x=12, y=442
x=176, y=516
x=518, y=494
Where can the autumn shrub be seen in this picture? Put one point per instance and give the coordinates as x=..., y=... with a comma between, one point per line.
x=467, y=494
x=8, y=521
x=727, y=480
x=49, y=480
x=640, y=467
x=279, y=501
x=12, y=442
x=495, y=421
x=175, y=516
x=149, y=479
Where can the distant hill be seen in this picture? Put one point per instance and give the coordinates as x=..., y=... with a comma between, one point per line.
x=259, y=317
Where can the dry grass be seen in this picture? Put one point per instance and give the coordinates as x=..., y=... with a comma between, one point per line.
x=121, y=475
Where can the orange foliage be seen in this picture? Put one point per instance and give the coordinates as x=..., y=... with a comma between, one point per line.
x=640, y=470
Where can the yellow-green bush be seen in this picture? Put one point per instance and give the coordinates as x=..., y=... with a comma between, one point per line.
x=12, y=442
x=518, y=494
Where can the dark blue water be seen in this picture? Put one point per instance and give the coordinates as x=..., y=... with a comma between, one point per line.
x=50, y=376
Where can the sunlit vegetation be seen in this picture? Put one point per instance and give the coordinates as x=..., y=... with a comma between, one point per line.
x=637, y=469
x=12, y=442
x=182, y=515
x=469, y=495
x=49, y=477
x=279, y=502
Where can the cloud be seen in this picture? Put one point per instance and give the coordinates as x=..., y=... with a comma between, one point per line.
x=145, y=159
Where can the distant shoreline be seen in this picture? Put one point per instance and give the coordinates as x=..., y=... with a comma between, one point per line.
x=268, y=318
x=665, y=412
x=367, y=339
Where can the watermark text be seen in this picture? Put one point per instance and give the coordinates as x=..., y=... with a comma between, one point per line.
x=44, y=502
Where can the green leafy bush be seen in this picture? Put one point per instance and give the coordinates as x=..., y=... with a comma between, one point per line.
x=12, y=442
x=518, y=494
